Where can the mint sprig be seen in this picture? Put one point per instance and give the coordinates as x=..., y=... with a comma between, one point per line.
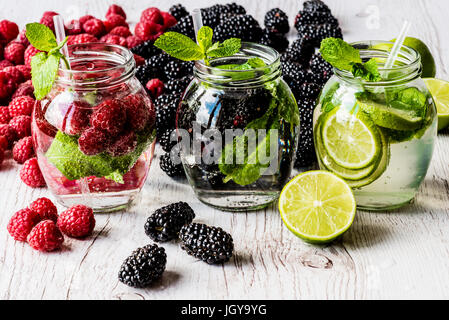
x=343, y=56
x=45, y=64
x=183, y=48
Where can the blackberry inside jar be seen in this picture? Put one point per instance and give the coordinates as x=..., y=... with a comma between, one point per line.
x=238, y=126
x=94, y=132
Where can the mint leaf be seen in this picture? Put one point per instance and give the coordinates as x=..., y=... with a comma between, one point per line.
x=226, y=49
x=41, y=37
x=204, y=38
x=367, y=71
x=179, y=46
x=339, y=54
x=44, y=69
x=256, y=63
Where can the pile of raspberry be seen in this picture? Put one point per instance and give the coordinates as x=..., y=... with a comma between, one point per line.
x=42, y=228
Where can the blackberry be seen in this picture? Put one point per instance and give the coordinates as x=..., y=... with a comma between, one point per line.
x=316, y=5
x=146, y=49
x=309, y=90
x=185, y=27
x=276, y=21
x=234, y=8
x=178, y=86
x=178, y=11
x=277, y=41
x=143, y=267
x=244, y=27
x=177, y=69
x=314, y=17
x=316, y=33
x=321, y=69
x=165, y=99
x=169, y=167
x=166, y=142
x=166, y=222
x=144, y=73
x=157, y=64
x=300, y=51
x=305, y=154
x=209, y=244
x=166, y=117
x=294, y=75
x=210, y=18
x=213, y=179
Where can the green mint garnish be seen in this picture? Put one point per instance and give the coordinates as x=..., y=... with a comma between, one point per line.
x=44, y=65
x=343, y=56
x=183, y=48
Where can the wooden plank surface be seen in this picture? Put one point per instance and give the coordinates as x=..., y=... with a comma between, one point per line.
x=401, y=254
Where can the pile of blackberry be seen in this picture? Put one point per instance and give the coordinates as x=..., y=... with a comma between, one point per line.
x=276, y=28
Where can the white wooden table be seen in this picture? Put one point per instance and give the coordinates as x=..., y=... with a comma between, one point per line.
x=401, y=254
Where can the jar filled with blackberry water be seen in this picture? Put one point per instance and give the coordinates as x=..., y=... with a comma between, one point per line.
x=237, y=129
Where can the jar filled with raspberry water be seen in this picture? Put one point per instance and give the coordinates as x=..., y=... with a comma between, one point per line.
x=94, y=132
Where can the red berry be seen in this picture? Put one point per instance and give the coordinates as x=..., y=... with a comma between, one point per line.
x=21, y=224
x=148, y=30
x=115, y=9
x=124, y=144
x=4, y=115
x=30, y=52
x=31, y=174
x=5, y=64
x=81, y=38
x=109, y=116
x=86, y=18
x=74, y=27
x=45, y=236
x=47, y=19
x=121, y=31
x=21, y=106
x=45, y=209
x=133, y=41
x=23, y=39
x=169, y=20
x=2, y=156
x=114, y=20
x=9, y=133
x=77, y=222
x=137, y=112
x=77, y=118
x=8, y=30
x=3, y=143
x=93, y=142
x=15, y=74
x=139, y=60
x=25, y=70
x=14, y=52
x=94, y=27
x=155, y=87
x=113, y=39
x=24, y=89
x=23, y=150
x=152, y=15
x=7, y=85
x=22, y=126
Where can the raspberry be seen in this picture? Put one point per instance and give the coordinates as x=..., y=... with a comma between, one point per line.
x=8, y=30
x=21, y=125
x=21, y=106
x=94, y=27
x=1, y=50
x=5, y=63
x=124, y=144
x=7, y=85
x=114, y=20
x=23, y=39
x=169, y=20
x=93, y=141
x=81, y=38
x=25, y=70
x=31, y=174
x=113, y=39
x=30, y=52
x=133, y=41
x=47, y=20
x=140, y=61
x=2, y=155
x=85, y=18
x=4, y=115
x=21, y=224
x=74, y=27
x=24, y=89
x=14, y=52
x=9, y=133
x=77, y=222
x=155, y=88
x=45, y=236
x=15, y=75
x=45, y=209
x=115, y=9
x=23, y=150
x=148, y=30
x=110, y=117
x=3, y=143
x=77, y=118
x=138, y=114
x=152, y=15
x=121, y=31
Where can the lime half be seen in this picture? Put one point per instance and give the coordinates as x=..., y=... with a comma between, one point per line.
x=317, y=206
x=352, y=141
x=439, y=89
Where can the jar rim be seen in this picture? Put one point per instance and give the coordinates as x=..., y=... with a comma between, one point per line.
x=411, y=67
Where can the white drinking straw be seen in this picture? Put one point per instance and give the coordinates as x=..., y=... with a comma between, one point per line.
x=197, y=21
x=397, y=45
x=60, y=36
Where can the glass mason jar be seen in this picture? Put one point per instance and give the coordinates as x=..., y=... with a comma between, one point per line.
x=378, y=136
x=94, y=132
x=238, y=131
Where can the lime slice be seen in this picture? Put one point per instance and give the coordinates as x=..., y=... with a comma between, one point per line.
x=427, y=60
x=317, y=206
x=439, y=89
x=352, y=141
x=398, y=117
